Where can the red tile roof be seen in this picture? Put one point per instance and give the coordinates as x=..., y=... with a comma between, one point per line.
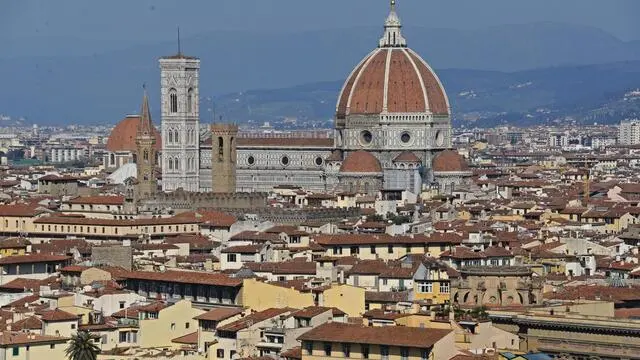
x=19, y=338
x=190, y=339
x=219, y=314
x=33, y=258
x=57, y=315
x=384, y=335
x=186, y=277
x=254, y=318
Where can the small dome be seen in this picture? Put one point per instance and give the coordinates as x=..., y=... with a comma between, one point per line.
x=123, y=135
x=361, y=162
x=449, y=161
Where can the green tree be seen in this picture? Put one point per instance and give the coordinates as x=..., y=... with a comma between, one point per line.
x=82, y=347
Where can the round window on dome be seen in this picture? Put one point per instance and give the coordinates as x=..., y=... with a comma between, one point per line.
x=251, y=160
x=285, y=160
x=319, y=161
x=405, y=137
x=366, y=137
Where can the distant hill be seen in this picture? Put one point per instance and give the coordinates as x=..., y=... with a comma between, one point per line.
x=587, y=93
x=102, y=87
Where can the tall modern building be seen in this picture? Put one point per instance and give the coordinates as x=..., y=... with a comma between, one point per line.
x=180, y=122
x=629, y=132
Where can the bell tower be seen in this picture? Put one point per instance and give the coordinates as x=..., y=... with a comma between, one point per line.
x=223, y=157
x=180, y=122
x=146, y=153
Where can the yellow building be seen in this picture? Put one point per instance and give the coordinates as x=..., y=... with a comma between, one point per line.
x=160, y=324
x=14, y=246
x=259, y=296
x=24, y=346
x=337, y=340
x=432, y=283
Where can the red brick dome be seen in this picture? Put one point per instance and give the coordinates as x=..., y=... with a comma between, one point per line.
x=361, y=162
x=123, y=135
x=449, y=161
x=392, y=80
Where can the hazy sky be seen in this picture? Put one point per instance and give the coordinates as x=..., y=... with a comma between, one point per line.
x=147, y=20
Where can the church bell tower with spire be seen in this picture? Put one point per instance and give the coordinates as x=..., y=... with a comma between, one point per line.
x=146, y=153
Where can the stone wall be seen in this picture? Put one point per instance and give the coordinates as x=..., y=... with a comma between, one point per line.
x=116, y=255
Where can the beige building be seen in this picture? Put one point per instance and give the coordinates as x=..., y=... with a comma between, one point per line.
x=496, y=286
x=24, y=346
x=159, y=328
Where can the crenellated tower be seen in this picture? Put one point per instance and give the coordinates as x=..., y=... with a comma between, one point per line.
x=223, y=157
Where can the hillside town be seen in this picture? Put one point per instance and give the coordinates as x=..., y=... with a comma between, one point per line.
x=390, y=236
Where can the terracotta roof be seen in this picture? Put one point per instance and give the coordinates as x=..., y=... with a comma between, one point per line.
x=58, y=315
x=210, y=217
x=219, y=314
x=293, y=353
x=14, y=242
x=243, y=249
x=29, y=323
x=186, y=277
x=285, y=267
x=311, y=311
x=361, y=162
x=191, y=339
x=255, y=236
x=78, y=220
x=98, y=200
x=123, y=135
x=384, y=239
x=449, y=161
x=33, y=258
x=30, y=284
x=387, y=296
x=18, y=338
x=19, y=210
x=379, y=335
x=254, y=318
x=596, y=292
x=398, y=76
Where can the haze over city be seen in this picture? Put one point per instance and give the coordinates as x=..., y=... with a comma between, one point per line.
x=298, y=180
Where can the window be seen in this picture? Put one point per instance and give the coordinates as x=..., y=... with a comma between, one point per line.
x=308, y=346
x=346, y=349
x=385, y=281
x=173, y=101
x=170, y=136
x=190, y=104
x=404, y=353
x=173, y=326
x=16, y=351
x=220, y=353
x=284, y=161
x=186, y=325
x=384, y=352
x=176, y=138
x=424, y=354
x=73, y=326
x=231, y=257
x=364, y=349
x=327, y=349
x=445, y=287
x=52, y=346
x=355, y=250
x=390, y=249
x=425, y=287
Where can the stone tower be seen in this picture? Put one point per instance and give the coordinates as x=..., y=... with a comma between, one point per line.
x=146, y=153
x=223, y=157
x=180, y=122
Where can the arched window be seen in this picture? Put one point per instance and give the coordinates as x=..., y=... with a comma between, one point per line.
x=173, y=100
x=146, y=156
x=190, y=104
x=220, y=148
x=366, y=187
x=177, y=164
x=112, y=159
x=176, y=138
x=170, y=136
x=170, y=164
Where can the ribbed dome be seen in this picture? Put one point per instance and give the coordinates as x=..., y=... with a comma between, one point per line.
x=449, y=161
x=361, y=162
x=123, y=135
x=392, y=80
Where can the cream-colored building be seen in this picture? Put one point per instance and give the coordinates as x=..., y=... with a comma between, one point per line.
x=157, y=330
x=24, y=346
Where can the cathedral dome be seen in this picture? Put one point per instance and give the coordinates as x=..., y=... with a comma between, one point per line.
x=449, y=161
x=361, y=162
x=392, y=79
x=123, y=135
